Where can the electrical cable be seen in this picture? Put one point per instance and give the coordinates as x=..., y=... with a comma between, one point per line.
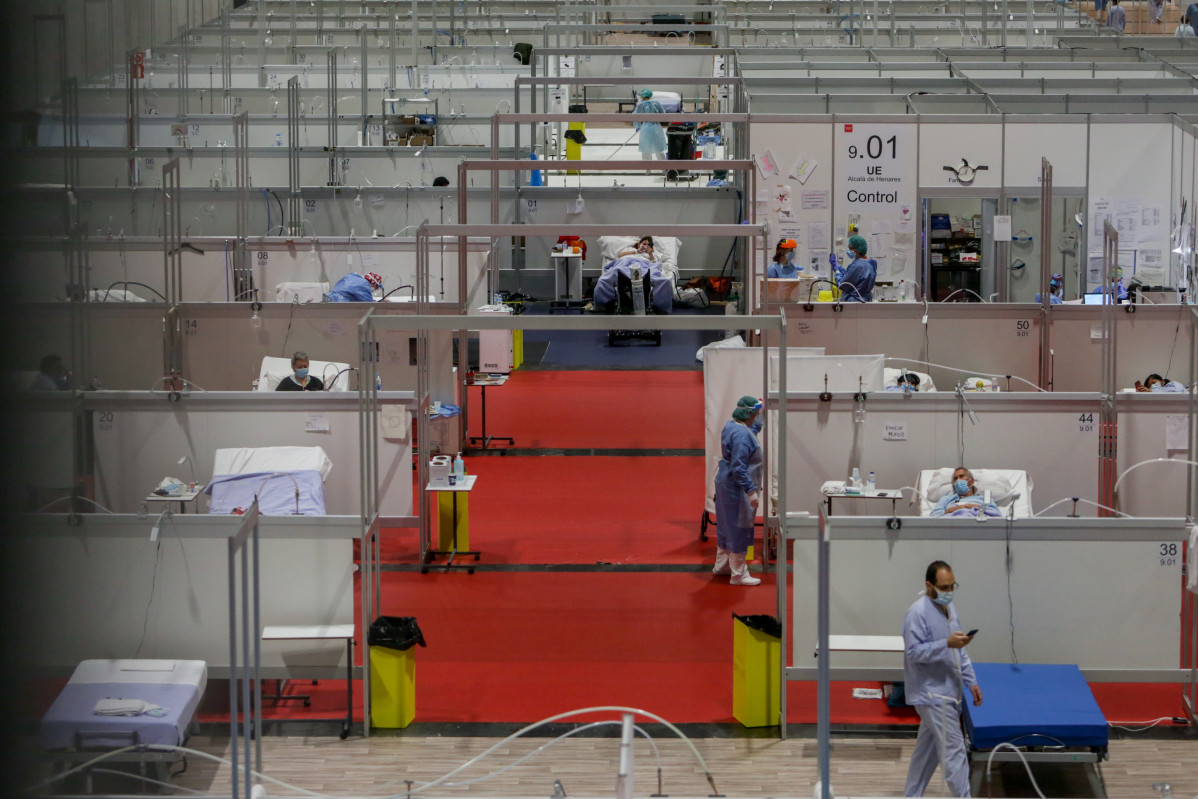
x=290, y=318
x=228, y=287
x=397, y=288
x=150, y=780
x=1022, y=759
x=133, y=283
x=145, y=623
x=269, y=226
x=282, y=216
x=1176, y=331
x=1010, y=596
x=1138, y=728
x=559, y=716
x=1134, y=466
x=63, y=499
x=1088, y=502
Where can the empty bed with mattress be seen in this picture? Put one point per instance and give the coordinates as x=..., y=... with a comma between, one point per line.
x=286, y=480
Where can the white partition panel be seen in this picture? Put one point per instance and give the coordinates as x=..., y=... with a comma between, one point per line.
x=945, y=144
x=1024, y=144
x=1101, y=604
x=1153, y=339
x=1153, y=426
x=903, y=434
x=103, y=589
x=139, y=439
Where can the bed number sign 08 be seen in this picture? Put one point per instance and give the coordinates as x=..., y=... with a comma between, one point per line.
x=1085, y=423
x=1167, y=554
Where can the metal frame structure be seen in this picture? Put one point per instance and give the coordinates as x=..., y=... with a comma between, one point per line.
x=1045, y=379
x=243, y=272
x=172, y=268
x=245, y=685
x=1108, y=420
x=916, y=529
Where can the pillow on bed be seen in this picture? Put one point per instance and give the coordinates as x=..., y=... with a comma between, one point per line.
x=1002, y=484
x=665, y=248
x=890, y=378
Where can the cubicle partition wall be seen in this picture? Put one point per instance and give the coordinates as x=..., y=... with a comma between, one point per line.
x=108, y=587
x=1093, y=592
x=1053, y=437
x=138, y=439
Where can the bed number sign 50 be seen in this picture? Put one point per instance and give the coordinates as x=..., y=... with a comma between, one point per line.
x=1167, y=554
x=1022, y=328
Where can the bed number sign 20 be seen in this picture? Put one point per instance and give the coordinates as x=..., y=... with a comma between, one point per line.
x=1167, y=553
x=106, y=421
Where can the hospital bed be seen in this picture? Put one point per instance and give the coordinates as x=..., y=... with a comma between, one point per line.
x=1048, y=709
x=301, y=292
x=665, y=250
x=890, y=377
x=72, y=732
x=274, y=370
x=286, y=480
x=1008, y=488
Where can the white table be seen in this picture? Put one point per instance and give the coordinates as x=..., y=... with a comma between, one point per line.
x=319, y=632
x=463, y=485
x=567, y=278
x=892, y=494
x=182, y=498
x=483, y=381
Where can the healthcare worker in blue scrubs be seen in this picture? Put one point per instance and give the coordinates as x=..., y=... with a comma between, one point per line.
x=856, y=281
x=738, y=491
x=784, y=264
x=652, y=142
x=1055, y=285
x=937, y=672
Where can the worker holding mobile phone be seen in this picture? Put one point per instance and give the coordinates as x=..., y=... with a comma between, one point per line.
x=937, y=671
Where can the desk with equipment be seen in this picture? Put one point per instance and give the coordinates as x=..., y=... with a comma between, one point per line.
x=457, y=532
x=482, y=381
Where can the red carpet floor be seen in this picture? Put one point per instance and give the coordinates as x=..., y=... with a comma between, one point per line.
x=520, y=646
x=569, y=509
x=595, y=410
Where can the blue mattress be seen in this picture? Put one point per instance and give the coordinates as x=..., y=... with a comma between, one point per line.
x=73, y=712
x=1025, y=702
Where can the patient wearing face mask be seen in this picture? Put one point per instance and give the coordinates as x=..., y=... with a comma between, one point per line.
x=963, y=498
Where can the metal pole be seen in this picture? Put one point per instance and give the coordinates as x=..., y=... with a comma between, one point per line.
x=824, y=699
x=1045, y=379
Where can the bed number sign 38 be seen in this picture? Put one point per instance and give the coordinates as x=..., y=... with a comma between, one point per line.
x=1167, y=553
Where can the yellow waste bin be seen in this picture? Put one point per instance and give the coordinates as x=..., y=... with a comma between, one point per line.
x=756, y=648
x=573, y=146
x=445, y=519
x=392, y=642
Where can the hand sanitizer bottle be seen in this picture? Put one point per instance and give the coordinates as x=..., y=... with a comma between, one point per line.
x=459, y=466
x=872, y=483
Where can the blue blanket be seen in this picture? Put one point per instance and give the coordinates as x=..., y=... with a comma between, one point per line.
x=73, y=712
x=276, y=496
x=605, y=290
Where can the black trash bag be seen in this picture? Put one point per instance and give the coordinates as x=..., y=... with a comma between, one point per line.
x=577, y=108
x=395, y=632
x=576, y=136
x=522, y=51
x=762, y=623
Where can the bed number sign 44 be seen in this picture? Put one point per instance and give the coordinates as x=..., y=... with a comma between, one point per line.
x=1085, y=423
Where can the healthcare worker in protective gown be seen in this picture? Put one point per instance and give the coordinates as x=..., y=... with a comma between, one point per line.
x=738, y=491
x=652, y=142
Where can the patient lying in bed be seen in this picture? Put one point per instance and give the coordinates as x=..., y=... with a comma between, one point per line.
x=964, y=499
x=639, y=255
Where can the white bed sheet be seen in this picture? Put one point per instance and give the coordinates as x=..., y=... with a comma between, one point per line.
x=155, y=672
x=890, y=377
x=251, y=460
x=1002, y=484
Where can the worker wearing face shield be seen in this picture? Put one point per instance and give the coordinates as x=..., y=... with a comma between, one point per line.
x=785, y=265
x=856, y=281
x=738, y=490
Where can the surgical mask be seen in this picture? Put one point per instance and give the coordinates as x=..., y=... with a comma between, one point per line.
x=943, y=598
x=790, y=257
x=301, y=373
x=961, y=487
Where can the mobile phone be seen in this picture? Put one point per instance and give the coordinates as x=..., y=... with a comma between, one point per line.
x=972, y=632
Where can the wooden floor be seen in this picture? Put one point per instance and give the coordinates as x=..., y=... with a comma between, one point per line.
x=586, y=767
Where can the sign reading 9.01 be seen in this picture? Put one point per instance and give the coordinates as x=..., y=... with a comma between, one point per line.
x=875, y=167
